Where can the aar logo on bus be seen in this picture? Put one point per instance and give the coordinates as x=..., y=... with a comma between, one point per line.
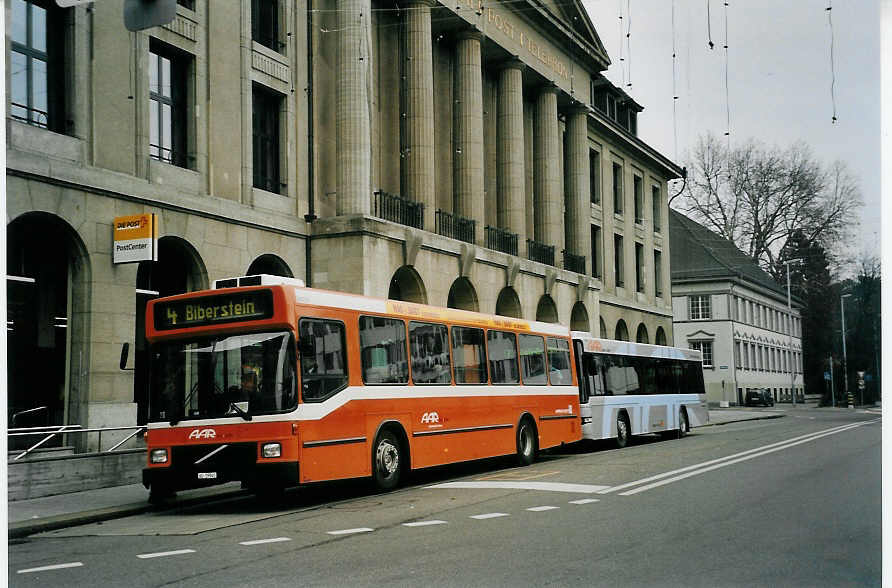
x=430, y=417
x=203, y=434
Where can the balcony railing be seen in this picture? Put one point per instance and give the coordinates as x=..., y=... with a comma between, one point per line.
x=540, y=252
x=456, y=227
x=398, y=209
x=501, y=240
x=574, y=263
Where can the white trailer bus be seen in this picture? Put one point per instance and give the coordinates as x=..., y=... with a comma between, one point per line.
x=630, y=389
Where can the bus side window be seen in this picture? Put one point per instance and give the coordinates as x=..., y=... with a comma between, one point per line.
x=532, y=360
x=382, y=344
x=502, y=349
x=324, y=371
x=591, y=376
x=559, y=362
x=430, y=353
x=469, y=355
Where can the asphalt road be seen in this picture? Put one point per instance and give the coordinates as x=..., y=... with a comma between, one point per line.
x=794, y=501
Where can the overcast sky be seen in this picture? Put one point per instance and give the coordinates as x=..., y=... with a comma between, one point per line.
x=779, y=78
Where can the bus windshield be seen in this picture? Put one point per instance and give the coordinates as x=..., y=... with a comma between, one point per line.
x=226, y=376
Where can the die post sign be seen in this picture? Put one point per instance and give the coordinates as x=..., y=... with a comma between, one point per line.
x=135, y=238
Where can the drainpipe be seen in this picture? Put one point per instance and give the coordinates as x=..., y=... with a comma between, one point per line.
x=311, y=159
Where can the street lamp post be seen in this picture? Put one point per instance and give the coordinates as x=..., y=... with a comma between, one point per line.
x=845, y=361
x=790, y=333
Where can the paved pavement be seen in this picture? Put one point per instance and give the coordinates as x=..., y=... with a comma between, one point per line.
x=36, y=515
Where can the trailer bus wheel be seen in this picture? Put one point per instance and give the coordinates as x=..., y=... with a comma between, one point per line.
x=387, y=460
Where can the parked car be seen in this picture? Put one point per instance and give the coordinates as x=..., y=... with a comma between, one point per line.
x=758, y=396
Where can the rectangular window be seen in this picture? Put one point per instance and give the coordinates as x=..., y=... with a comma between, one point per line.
x=597, y=251
x=382, y=347
x=618, y=260
x=704, y=347
x=532, y=360
x=502, y=349
x=633, y=122
x=267, y=105
x=468, y=356
x=657, y=205
x=265, y=23
x=430, y=353
x=190, y=4
x=611, y=106
x=559, y=362
x=37, y=64
x=323, y=358
x=594, y=176
x=637, y=184
x=639, y=267
x=699, y=307
x=617, y=188
x=658, y=272
x=168, y=122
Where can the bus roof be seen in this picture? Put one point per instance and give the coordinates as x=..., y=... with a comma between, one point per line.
x=612, y=346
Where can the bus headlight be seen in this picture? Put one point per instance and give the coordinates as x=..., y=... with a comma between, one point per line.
x=158, y=456
x=271, y=450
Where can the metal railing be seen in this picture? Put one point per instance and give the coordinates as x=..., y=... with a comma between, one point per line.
x=501, y=240
x=47, y=434
x=455, y=226
x=398, y=209
x=540, y=252
x=574, y=263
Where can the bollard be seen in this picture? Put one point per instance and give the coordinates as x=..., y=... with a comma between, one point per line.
x=851, y=401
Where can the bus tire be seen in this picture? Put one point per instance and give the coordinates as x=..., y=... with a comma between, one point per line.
x=684, y=427
x=387, y=460
x=623, y=430
x=160, y=494
x=526, y=442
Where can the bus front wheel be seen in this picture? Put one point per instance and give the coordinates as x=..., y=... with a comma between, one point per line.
x=526, y=442
x=387, y=460
x=683, y=426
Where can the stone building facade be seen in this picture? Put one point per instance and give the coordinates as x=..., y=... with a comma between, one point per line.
x=732, y=311
x=463, y=154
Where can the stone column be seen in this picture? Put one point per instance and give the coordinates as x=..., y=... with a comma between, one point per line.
x=510, y=209
x=546, y=171
x=468, y=158
x=419, y=146
x=577, y=195
x=353, y=82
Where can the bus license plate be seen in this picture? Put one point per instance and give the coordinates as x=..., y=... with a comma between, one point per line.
x=207, y=475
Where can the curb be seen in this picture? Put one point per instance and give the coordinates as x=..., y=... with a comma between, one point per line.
x=22, y=529
x=740, y=420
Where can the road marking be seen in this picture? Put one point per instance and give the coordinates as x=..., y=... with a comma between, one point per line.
x=164, y=553
x=542, y=508
x=546, y=486
x=490, y=515
x=351, y=531
x=584, y=501
x=609, y=489
x=424, y=523
x=517, y=476
x=74, y=564
x=263, y=541
x=758, y=452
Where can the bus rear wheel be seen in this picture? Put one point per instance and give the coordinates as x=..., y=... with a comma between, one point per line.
x=526, y=442
x=684, y=426
x=387, y=460
x=623, y=432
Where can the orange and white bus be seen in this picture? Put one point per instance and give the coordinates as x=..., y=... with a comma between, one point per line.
x=271, y=383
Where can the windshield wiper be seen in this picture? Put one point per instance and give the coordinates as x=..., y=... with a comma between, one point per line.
x=181, y=410
x=234, y=407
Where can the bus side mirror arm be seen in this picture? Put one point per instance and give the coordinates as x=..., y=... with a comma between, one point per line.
x=125, y=351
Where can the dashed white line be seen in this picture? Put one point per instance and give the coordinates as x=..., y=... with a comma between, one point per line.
x=74, y=564
x=164, y=553
x=546, y=486
x=584, y=501
x=542, y=508
x=489, y=515
x=351, y=531
x=264, y=541
x=424, y=523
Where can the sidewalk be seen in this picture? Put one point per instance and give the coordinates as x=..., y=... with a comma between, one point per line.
x=27, y=517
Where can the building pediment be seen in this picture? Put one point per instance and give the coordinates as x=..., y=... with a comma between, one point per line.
x=701, y=334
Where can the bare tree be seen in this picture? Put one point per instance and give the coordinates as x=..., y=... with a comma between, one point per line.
x=757, y=196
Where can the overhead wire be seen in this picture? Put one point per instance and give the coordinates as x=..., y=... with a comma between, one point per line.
x=829, y=11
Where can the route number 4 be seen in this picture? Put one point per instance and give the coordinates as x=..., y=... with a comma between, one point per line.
x=430, y=417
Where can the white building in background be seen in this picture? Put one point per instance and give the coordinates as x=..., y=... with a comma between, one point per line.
x=727, y=307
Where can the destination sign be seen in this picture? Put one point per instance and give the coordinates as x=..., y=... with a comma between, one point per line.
x=213, y=310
